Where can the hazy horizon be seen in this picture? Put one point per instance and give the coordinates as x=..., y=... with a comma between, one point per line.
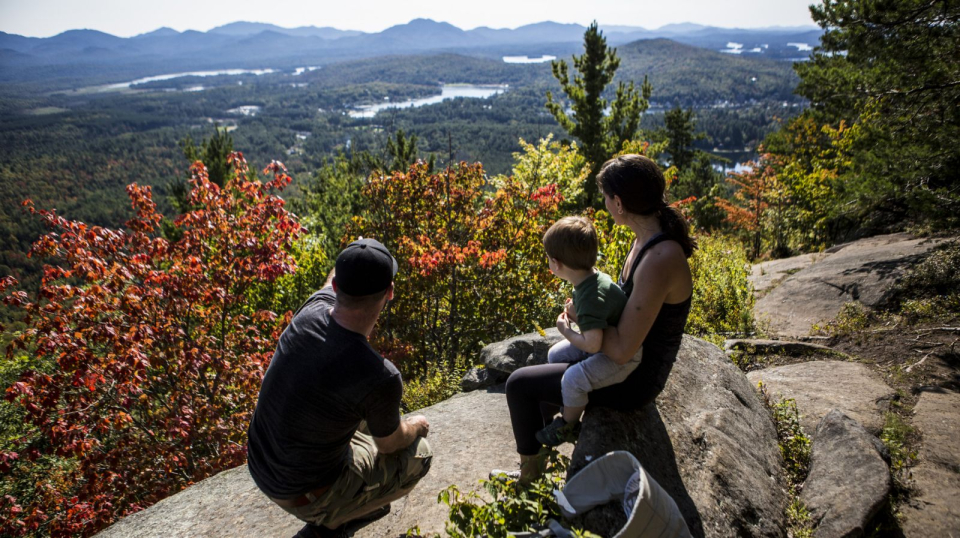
x=46, y=18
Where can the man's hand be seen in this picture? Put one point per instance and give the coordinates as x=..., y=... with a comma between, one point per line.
x=420, y=423
x=410, y=428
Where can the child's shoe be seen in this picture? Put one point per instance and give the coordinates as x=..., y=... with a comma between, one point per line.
x=558, y=432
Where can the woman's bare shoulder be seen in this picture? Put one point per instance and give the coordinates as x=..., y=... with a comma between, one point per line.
x=665, y=252
x=665, y=265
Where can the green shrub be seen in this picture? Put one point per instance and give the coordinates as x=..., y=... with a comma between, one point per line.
x=507, y=507
x=894, y=436
x=722, y=293
x=433, y=387
x=852, y=318
x=930, y=290
x=795, y=449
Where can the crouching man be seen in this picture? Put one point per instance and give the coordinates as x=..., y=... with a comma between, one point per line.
x=327, y=443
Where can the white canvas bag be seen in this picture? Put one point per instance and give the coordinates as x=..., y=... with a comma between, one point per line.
x=653, y=513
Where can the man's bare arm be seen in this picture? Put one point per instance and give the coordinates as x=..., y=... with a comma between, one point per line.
x=329, y=281
x=410, y=428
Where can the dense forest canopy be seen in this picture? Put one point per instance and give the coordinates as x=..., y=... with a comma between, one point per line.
x=76, y=150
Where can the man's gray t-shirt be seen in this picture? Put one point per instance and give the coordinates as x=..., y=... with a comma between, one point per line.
x=323, y=381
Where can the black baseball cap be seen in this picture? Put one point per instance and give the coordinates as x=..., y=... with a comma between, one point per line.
x=365, y=267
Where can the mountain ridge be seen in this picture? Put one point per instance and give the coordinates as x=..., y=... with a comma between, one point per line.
x=88, y=53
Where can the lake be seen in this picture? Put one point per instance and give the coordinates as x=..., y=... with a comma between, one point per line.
x=126, y=85
x=447, y=91
x=122, y=86
x=527, y=59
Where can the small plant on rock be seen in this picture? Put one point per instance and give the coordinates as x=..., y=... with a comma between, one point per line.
x=507, y=507
x=795, y=449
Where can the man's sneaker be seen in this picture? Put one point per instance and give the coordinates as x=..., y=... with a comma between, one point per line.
x=353, y=526
x=558, y=432
x=346, y=530
x=318, y=531
x=504, y=476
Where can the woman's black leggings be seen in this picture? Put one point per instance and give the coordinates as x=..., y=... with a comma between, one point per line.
x=533, y=396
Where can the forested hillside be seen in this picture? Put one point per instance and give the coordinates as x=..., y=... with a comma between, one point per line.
x=76, y=150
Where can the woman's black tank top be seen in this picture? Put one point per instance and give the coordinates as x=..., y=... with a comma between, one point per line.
x=670, y=322
x=660, y=347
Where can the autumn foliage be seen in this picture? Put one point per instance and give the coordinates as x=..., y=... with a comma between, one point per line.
x=748, y=210
x=472, y=266
x=143, y=356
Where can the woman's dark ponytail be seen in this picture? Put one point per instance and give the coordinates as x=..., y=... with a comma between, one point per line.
x=677, y=228
x=640, y=184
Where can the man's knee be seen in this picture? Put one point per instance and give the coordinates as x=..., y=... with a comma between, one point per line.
x=418, y=458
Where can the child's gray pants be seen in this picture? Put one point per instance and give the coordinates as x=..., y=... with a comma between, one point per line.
x=587, y=372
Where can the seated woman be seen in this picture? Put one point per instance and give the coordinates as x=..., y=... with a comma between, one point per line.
x=656, y=279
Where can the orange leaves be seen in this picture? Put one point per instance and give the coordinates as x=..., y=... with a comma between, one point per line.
x=469, y=252
x=157, y=353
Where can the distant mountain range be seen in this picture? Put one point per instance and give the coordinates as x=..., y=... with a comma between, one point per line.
x=83, y=53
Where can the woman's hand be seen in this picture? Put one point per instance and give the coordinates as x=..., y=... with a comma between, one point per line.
x=569, y=310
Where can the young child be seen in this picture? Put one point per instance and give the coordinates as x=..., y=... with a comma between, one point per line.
x=571, y=245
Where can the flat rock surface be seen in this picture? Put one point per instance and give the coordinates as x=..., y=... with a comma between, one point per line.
x=848, y=482
x=470, y=434
x=767, y=275
x=863, y=271
x=708, y=441
x=935, y=508
x=820, y=386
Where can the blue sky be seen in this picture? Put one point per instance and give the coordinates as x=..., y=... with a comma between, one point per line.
x=44, y=18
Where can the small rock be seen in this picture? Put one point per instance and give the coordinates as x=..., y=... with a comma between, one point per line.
x=519, y=351
x=819, y=386
x=848, y=482
x=480, y=378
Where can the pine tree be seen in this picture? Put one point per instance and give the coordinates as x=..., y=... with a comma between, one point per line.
x=601, y=132
x=680, y=131
x=890, y=69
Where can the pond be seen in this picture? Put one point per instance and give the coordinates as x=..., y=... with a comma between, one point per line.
x=447, y=91
x=127, y=85
x=528, y=60
x=123, y=86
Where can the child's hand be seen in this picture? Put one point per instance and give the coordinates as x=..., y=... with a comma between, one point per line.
x=569, y=310
x=563, y=323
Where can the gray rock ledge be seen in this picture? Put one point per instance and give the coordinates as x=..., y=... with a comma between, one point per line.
x=849, y=482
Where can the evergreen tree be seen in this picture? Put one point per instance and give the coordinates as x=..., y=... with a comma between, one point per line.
x=890, y=68
x=680, y=132
x=601, y=132
x=331, y=198
x=401, y=152
x=213, y=153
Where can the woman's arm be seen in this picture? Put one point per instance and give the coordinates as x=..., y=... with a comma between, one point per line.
x=662, y=269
